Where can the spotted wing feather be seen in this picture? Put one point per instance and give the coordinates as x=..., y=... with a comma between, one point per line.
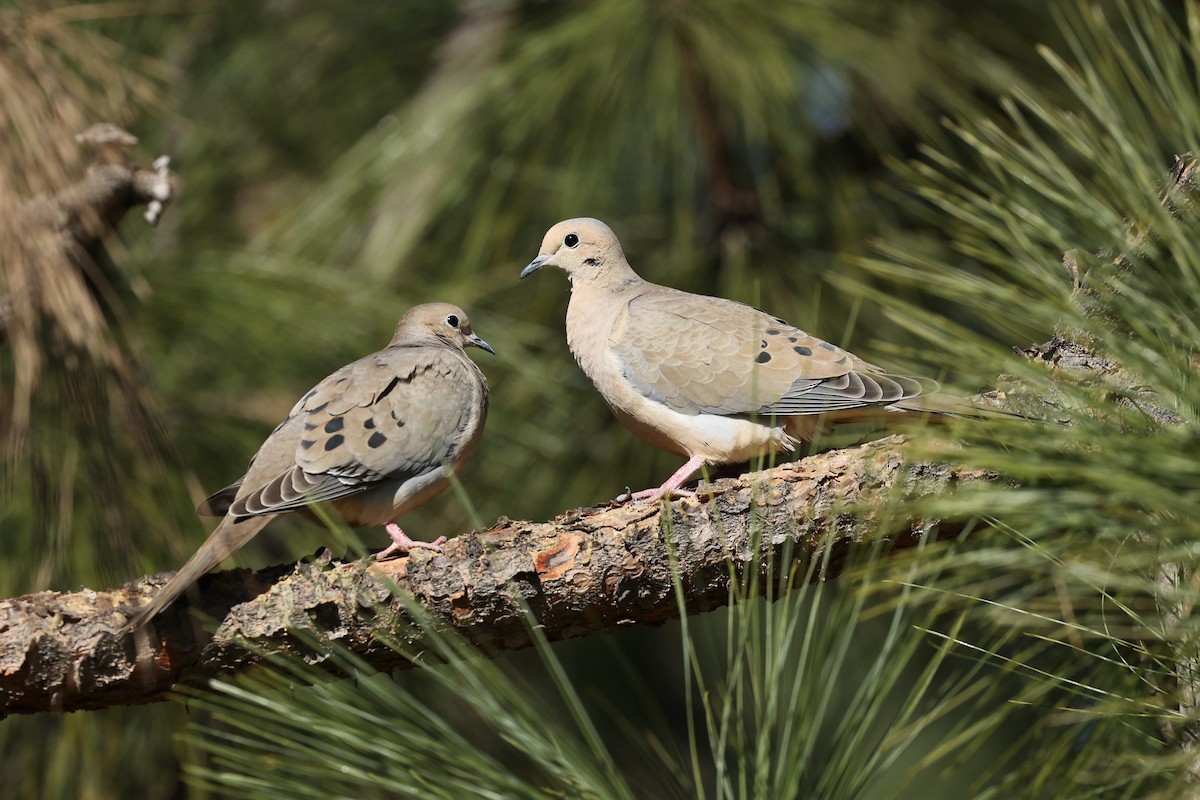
x=394, y=415
x=698, y=354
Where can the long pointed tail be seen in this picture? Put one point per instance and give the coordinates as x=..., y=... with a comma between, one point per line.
x=946, y=405
x=228, y=537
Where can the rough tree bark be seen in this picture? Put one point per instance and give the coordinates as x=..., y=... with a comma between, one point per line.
x=587, y=571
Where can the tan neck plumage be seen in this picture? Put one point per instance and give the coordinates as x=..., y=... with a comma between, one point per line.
x=592, y=315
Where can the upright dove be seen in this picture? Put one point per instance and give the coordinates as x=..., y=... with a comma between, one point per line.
x=371, y=442
x=713, y=380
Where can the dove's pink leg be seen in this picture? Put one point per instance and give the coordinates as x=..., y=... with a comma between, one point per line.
x=402, y=544
x=672, y=484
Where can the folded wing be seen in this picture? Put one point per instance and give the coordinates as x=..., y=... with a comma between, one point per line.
x=698, y=354
x=397, y=414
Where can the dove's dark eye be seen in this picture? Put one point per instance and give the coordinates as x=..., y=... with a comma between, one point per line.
x=570, y=240
x=452, y=320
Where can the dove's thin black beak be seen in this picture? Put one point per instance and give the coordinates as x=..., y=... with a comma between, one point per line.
x=533, y=267
x=480, y=343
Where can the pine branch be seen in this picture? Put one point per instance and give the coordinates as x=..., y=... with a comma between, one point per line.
x=588, y=571
x=85, y=214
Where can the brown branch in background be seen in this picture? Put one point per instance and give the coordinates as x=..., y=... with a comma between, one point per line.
x=58, y=294
x=58, y=75
x=84, y=215
x=588, y=571
x=1073, y=351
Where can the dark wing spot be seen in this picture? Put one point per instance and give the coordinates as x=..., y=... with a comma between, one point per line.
x=377, y=439
x=764, y=344
x=773, y=331
x=334, y=442
x=305, y=443
x=369, y=424
x=319, y=408
x=334, y=425
x=792, y=340
x=310, y=426
x=387, y=389
x=828, y=346
x=763, y=357
x=802, y=350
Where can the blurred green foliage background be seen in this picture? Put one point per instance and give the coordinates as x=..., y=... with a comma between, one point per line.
x=342, y=162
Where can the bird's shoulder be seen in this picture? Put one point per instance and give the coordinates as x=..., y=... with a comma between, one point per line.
x=388, y=416
x=696, y=352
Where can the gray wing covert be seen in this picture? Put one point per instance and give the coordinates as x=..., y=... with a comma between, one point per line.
x=698, y=354
x=396, y=414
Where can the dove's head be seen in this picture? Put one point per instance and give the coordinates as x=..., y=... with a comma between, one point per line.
x=437, y=323
x=587, y=250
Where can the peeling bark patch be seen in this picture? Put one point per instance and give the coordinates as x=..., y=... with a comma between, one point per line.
x=460, y=606
x=558, y=559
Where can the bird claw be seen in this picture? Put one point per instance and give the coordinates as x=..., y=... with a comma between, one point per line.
x=401, y=543
x=435, y=545
x=652, y=496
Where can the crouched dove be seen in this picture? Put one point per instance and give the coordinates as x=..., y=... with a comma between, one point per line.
x=372, y=441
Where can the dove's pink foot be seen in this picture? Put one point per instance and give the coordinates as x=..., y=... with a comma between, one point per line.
x=651, y=496
x=671, y=486
x=402, y=544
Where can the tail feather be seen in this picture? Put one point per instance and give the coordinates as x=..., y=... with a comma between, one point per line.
x=978, y=407
x=221, y=543
x=939, y=407
x=217, y=504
